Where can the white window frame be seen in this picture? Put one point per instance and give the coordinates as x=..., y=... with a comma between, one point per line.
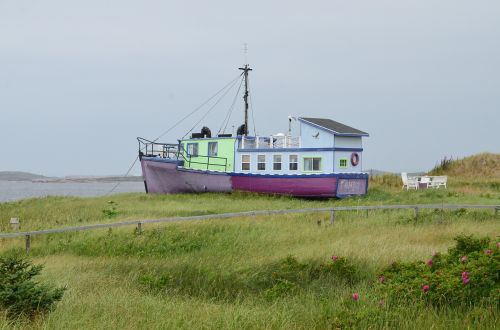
x=276, y=163
x=296, y=162
x=243, y=162
x=216, y=149
x=312, y=164
x=194, y=147
x=260, y=163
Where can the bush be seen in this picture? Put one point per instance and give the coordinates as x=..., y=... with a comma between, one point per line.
x=20, y=295
x=469, y=274
x=110, y=211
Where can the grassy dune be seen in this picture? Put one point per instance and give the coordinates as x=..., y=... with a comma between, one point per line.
x=480, y=166
x=222, y=273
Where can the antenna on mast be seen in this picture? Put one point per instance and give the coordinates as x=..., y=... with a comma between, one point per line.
x=245, y=51
x=245, y=70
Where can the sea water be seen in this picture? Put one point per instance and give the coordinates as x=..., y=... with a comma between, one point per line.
x=16, y=190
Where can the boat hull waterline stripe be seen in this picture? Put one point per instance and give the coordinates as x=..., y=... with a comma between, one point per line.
x=167, y=177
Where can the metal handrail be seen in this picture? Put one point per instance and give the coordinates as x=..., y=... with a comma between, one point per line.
x=207, y=163
x=170, y=150
x=165, y=150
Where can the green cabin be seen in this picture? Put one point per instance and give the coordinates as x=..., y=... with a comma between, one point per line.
x=213, y=154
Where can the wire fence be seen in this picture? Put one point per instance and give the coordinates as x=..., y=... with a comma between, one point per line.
x=331, y=210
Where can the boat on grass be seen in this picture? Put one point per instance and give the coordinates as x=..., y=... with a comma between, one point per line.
x=324, y=160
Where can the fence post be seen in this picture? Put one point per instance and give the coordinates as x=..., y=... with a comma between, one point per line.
x=139, y=228
x=416, y=212
x=496, y=211
x=28, y=243
x=367, y=213
x=332, y=217
x=14, y=223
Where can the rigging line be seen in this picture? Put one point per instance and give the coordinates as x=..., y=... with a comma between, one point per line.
x=251, y=108
x=126, y=174
x=198, y=108
x=177, y=123
x=231, y=83
x=211, y=108
x=232, y=108
x=230, y=111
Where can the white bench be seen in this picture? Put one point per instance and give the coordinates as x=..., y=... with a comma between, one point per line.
x=438, y=181
x=425, y=181
x=409, y=182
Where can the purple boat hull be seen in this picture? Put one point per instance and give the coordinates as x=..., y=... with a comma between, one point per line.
x=165, y=177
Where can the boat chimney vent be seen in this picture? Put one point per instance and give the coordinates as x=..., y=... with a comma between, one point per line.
x=241, y=130
x=206, y=132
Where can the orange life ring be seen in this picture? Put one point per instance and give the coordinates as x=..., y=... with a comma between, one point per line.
x=354, y=159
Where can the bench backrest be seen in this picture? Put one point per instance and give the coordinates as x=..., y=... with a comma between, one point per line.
x=425, y=179
x=439, y=179
x=404, y=177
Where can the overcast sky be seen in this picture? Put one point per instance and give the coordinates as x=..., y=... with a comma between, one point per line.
x=80, y=80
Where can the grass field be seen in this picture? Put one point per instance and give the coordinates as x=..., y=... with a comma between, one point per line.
x=223, y=273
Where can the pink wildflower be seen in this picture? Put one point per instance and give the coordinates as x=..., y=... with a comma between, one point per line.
x=465, y=280
x=498, y=245
x=334, y=258
x=463, y=259
x=465, y=275
x=488, y=251
x=381, y=279
x=425, y=288
x=429, y=262
x=355, y=296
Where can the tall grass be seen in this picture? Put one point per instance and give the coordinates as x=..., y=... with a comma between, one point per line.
x=479, y=167
x=53, y=212
x=271, y=272
x=219, y=273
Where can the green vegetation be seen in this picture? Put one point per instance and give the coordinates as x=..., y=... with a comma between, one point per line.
x=468, y=275
x=20, y=295
x=279, y=272
x=485, y=166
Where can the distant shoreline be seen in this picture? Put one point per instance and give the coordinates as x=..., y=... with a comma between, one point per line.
x=35, y=178
x=90, y=179
x=19, y=190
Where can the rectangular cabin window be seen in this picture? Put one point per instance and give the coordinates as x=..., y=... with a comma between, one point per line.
x=212, y=148
x=343, y=163
x=261, y=162
x=277, y=162
x=245, y=162
x=293, y=163
x=192, y=149
x=312, y=163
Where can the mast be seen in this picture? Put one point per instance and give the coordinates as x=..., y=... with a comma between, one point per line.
x=245, y=96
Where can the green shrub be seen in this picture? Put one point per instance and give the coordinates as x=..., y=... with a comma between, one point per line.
x=281, y=288
x=469, y=274
x=468, y=244
x=20, y=295
x=110, y=211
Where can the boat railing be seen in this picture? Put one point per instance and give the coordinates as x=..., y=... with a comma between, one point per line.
x=157, y=149
x=284, y=141
x=205, y=161
x=269, y=142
